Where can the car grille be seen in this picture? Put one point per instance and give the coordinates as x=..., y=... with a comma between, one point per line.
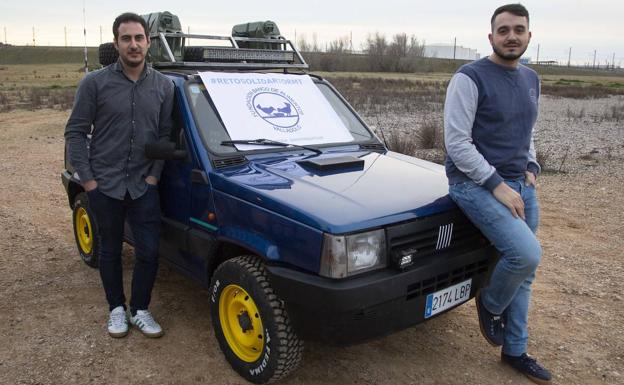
x=429, y=236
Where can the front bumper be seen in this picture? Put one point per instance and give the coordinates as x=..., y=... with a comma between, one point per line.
x=353, y=310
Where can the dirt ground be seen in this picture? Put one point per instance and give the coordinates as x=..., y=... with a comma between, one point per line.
x=53, y=310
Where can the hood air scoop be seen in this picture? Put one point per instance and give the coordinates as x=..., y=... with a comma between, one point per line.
x=335, y=163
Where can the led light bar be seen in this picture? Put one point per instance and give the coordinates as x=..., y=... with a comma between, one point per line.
x=242, y=54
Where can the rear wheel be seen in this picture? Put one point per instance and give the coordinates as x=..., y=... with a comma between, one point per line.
x=84, y=230
x=251, y=323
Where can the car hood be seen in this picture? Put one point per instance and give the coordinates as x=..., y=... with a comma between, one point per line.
x=387, y=188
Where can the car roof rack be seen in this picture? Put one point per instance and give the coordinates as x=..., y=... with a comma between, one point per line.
x=242, y=53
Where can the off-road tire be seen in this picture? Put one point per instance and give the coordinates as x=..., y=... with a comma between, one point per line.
x=85, y=231
x=193, y=54
x=281, y=348
x=108, y=54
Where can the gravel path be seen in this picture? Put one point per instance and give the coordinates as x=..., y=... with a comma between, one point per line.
x=53, y=311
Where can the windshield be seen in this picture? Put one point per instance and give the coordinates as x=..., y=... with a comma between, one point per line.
x=213, y=131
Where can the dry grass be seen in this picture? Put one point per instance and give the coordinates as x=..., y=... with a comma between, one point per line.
x=581, y=91
x=615, y=113
x=583, y=87
x=34, y=86
x=14, y=77
x=393, y=94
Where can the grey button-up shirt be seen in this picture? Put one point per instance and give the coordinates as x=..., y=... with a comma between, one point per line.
x=122, y=116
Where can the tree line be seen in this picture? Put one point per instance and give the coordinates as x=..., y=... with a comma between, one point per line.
x=382, y=54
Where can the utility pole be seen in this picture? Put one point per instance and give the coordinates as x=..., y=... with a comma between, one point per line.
x=537, y=60
x=454, y=48
x=100, y=34
x=569, y=56
x=350, y=41
x=33, y=36
x=65, y=29
x=613, y=62
x=5, y=39
x=188, y=32
x=594, y=65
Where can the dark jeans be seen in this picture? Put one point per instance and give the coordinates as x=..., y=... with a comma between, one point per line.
x=143, y=215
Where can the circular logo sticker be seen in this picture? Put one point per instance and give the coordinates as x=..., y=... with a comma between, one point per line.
x=277, y=110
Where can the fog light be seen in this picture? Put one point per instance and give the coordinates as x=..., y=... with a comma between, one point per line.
x=405, y=261
x=405, y=258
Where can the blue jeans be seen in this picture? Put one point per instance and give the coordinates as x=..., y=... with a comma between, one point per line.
x=143, y=215
x=509, y=290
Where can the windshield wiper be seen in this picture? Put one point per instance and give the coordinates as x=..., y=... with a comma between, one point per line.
x=268, y=142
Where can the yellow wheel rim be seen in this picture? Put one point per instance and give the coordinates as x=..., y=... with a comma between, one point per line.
x=241, y=323
x=84, y=231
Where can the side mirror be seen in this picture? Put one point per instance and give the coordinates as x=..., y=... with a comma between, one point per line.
x=165, y=150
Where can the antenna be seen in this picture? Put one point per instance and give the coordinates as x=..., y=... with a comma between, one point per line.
x=84, y=26
x=350, y=41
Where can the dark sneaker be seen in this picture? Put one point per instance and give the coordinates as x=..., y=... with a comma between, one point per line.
x=491, y=325
x=528, y=366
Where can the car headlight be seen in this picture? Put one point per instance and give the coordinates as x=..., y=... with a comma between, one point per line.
x=345, y=255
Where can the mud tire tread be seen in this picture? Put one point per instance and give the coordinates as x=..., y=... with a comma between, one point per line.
x=289, y=346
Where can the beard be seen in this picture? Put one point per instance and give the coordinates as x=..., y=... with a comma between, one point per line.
x=509, y=56
x=131, y=62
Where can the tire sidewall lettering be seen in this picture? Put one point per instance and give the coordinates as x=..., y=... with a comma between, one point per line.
x=248, y=273
x=215, y=289
x=265, y=357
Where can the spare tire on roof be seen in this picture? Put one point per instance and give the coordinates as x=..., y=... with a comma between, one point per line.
x=108, y=54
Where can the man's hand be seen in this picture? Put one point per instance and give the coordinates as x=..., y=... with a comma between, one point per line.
x=510, y=198
x=530, y=179
x=151, y=180
x=90, y=185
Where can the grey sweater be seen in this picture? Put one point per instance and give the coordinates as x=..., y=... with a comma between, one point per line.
x=489, y=116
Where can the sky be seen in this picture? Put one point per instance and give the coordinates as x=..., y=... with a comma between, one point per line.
x=556, y=25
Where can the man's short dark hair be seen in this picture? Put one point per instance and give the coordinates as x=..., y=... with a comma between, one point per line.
x=126, y=18
x=515, y=9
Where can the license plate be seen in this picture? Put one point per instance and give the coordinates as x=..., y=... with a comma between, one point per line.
x=447, y=298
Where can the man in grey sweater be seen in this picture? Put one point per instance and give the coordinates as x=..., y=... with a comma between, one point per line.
x=490, y=111
x=123, y=106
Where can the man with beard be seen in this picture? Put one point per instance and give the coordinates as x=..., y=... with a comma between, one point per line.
x=123, y=107
x=490, y=111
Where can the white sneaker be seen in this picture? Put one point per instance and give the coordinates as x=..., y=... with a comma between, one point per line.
x=118, y=322
x=146, y=324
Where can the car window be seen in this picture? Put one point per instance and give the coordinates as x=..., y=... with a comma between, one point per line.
x=213, y=131
x=207, y=120
x=349, y=119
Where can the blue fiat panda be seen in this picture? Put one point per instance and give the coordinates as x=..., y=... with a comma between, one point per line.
x=323, y=236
